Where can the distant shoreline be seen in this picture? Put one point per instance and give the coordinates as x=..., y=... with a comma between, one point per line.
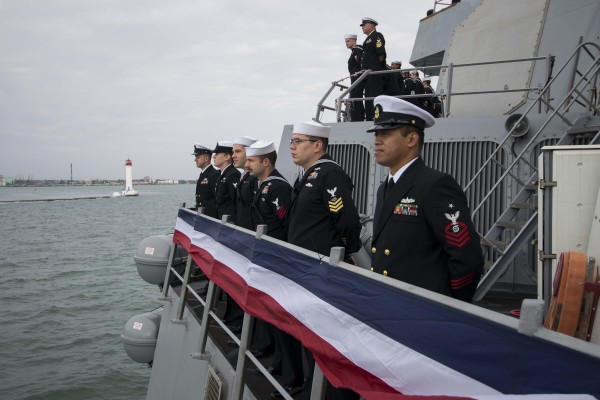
x=55, y=199
x=41, y=184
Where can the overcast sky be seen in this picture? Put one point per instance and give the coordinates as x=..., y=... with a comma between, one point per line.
x=94, y=82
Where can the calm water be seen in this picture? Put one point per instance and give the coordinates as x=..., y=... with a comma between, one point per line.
x=68, y=285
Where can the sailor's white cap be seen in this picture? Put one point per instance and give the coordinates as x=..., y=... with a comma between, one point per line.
x=311, y=128
x=199, y=149
x=244, y=140
x=350, y=36
x=368, y=20
x=392, y=113
x=260, y=148
x=397, y=62
x=223, y=147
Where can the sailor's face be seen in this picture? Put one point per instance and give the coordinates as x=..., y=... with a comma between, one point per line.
x=392, y=148
x=239, y=155
x=350, y=43
x=219, y=159
x=302, y=152
x=367, y=28
x=202, y=160
x=254, y=166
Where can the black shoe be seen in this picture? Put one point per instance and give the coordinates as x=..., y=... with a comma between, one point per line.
x=235, y=328
x=257, y=353
x=202, y=291
x=232, y=355
x=274, y=371
x=291, y=390
x=271, y=370
x=231, y=342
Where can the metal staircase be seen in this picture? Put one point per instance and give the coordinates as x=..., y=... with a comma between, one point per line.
x=517, y=224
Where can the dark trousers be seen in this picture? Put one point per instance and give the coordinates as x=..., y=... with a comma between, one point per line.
x=233, y=312
x=288, y=358
x=262, y=337
x=373, y=88
x=331, y=392
x=357, y=108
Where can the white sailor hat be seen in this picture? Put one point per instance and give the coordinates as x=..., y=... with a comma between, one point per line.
x=368, y=20
x=350, y=36
x=392, y=113
x=311, y=128
x=199, y=150
x=244, y=140
x=260, y=148
x=223, y=147
x=397, y=62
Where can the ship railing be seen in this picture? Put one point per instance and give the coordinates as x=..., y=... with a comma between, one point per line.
x=343, y=102
x=529, y=323
x=209, y=313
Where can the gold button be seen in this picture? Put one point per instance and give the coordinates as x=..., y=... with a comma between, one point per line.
x=387, y=252
x=372, y=269
x=385, y=272
x=373, y=249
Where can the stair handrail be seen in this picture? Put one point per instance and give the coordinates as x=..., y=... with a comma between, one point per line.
x=593, y=66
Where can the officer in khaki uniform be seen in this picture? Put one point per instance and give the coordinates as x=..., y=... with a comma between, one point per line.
x=422, y=228
x=207, y=181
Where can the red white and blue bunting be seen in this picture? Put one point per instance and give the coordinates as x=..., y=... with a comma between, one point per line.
x=381, y=341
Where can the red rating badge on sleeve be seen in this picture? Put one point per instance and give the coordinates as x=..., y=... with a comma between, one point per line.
x=456, y=232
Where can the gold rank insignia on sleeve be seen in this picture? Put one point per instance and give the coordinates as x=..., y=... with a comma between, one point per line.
x=335, y=204
x=378, y=44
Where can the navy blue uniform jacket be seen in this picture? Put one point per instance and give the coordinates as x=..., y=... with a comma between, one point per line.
x=225, y=192
x=205, y=191
x=423, y=234
x=244, y=195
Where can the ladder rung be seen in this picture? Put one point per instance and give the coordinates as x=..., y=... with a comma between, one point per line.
x=509, y=224
x=583, y=130
x=525, y=206
x=496, y=243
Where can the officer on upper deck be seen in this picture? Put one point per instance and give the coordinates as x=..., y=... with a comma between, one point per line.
x=205, y=187
x=422, y=228
x=357, y=108
x=373, y=58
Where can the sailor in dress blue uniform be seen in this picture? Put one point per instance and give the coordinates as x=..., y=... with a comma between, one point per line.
x=322, y=213
x=228, y=180
x=373, y=58
x=207, y=181
x=422, y=228
x=270, y=207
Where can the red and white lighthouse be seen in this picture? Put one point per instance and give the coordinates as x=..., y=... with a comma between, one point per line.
x=129, y=190
x=128, y=175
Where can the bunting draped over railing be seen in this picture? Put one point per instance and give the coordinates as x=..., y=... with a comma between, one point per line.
x=381, y=341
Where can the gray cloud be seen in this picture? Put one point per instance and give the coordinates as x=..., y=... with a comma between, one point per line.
x=95, y=82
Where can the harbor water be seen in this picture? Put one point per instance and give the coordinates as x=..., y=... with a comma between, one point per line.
x=68, y=286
